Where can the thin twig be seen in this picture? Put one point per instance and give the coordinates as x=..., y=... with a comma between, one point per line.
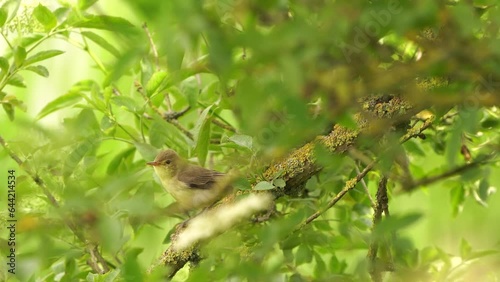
x=375, y=270
x=175, y=115
x=93, y=56
x=416, y=131
x=223, y=125
x=429, y=180
x=350, y=184
x=173, y=121
x=140, y=90
x=30, y=172
x=169, y=103
x=7, y=41
x=96, y=261
x=153, y=46
x=72, y=226
x=111, y=116
x=181, y=128
x=363, y=183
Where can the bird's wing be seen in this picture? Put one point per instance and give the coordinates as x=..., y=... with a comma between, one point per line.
x=198, y=177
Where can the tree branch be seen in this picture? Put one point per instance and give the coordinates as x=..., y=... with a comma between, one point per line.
x=430, y=180
x=382, y=206
x=349, y=185
x=301, y=165
x=223, y=125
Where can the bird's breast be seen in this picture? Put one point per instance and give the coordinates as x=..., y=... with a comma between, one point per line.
x=189, y=198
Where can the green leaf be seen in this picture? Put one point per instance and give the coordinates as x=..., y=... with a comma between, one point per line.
x=457, y=198
x=43, y=55
x=154, y=82
x=178, y=76
x=84, y=4
x=76, y=155
x=107, y=277
x=107, y=125
x=3, y=16
x=101, y=42
x=322, y=225
x=131, y=269
x=16, y=80
x=394, y=223
x=466, y=18
x=428, y=255
x=147, y=151
x=465, y=249
x=110, y=234
x=45, y=17
x=40, y=70
x=158, y=133
x=245, y=141
x=147, y=70
x=336, y=266
x=320, y=268
x=211, y=91
x=19, y=56
x=69, y=268
x=347, y=120
x=59, y=103
x=12, y=6
x=304, y=255
x=480, y=254
x=453, y=143
x=12, y=100
x=189, y=89
x=412, y=147
x=107, y=23
x=4, y=64
x=472, y=175
x=280, y=183
x=290, y=242
x=202, y=135
x=490, y=123
x=162, y=133
x=483, y=190
x=63, y=12
x=85, y=124
x=97, y=98
x=118, y=159
x=83, y=85
x=9, y=110
x=123, y=65
x=263, y=185
x=30, y=39
x=241, y=183
x=125, y=102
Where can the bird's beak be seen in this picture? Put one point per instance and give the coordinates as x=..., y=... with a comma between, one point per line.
x=153, y=163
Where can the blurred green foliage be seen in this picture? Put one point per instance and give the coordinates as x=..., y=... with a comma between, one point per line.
x=240, y=84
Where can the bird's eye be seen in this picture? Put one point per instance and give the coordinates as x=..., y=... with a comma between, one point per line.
x=168, y=161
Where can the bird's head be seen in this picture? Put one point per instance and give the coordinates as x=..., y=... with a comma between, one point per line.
x=166, y=163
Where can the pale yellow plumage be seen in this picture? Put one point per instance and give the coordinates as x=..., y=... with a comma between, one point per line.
x=192, y=186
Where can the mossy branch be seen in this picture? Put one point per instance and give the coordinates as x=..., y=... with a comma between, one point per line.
x=301, y=165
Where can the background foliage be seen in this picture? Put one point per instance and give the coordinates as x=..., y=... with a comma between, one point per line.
x=242, y=84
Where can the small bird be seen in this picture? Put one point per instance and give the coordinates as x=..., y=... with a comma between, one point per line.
x=192, y=186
